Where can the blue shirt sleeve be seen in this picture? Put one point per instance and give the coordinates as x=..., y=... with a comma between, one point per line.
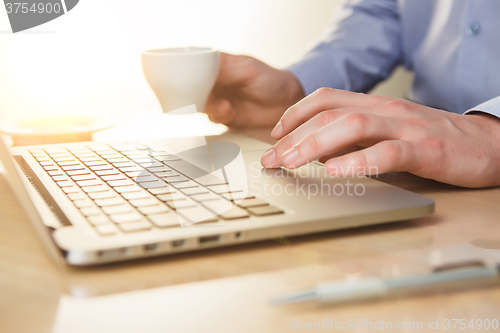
x=491, y=107
x=361, y=49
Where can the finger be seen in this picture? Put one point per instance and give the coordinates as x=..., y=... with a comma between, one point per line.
x=351, y=129
x=385, y=156
x=320, y=100
x=219, y=110
x=235, y=69
x=318, y=121
x=345, y=151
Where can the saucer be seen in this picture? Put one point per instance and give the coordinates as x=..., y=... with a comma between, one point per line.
x=54, y=129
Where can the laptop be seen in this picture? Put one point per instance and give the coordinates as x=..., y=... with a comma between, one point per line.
x=95, y=203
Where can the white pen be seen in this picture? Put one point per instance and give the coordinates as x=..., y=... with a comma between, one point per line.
x=369, y=289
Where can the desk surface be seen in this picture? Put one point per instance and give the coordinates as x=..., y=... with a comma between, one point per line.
x=227, y=290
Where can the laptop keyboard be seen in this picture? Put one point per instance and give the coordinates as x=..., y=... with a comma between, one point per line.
x=127, y=188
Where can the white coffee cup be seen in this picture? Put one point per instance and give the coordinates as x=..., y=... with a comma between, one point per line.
x=181, y=76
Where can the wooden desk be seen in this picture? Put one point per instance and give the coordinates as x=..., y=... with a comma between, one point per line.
x=228, y=289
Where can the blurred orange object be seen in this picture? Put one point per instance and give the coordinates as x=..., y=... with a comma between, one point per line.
x=53, y=130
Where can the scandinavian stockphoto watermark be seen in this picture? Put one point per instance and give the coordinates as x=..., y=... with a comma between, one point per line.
x=308, y=181
x=26, y=14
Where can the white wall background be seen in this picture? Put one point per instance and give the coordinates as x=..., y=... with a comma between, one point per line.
x=87, y=62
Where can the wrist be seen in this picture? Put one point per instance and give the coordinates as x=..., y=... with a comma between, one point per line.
x=294, y=90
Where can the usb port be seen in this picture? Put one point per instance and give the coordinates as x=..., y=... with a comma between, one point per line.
x=209, y=239
x=178, y=243
x=150, y=247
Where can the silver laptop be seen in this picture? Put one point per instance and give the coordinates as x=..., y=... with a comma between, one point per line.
x=94, y=203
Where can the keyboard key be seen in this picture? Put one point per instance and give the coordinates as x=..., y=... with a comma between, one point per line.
x=162, y=190
x=47, y=163
x=157, y=209
x=97, y=147
x=205, y=197
x=135, y=226
x=197, y=214
x=79, y=172
x=73, y=167
x=50, y=168
x=55, y=173
x=218, y=206
x=141, y=159
x=237, y=196
x=67, y=163
x=84, y=177
x=160, y=169
x=225, y=209
x=66, y=158
x=114, y=177
x=170, y=196
x=36, y=151
x=126, y=218
x=97, y=188
x=130, y=169
x=85, y=155
x=98, y=220
x=136, y=195
x=138, y=173
x=169, y=173
x=123, y=164
x=234, y=213
x=106, y=230
x=265, y=210
x=107, y=172
x=175, y=179
x=122, y=146
x=90, y=211
x=181, y=203
x=144, y=202
x=85, y=203
x=114, y=201
x=96, y=163
x=65, y=183
x=186, y=184
x=118, y=209
x=60, y=178
x=115, y=183
x=117, y=159
x=126, y=189
x=167, y=158
x=77, y=196
x=165, y=220
x=93, y=182
x=221, y=189
x=145, y=179
x=201, y=176
x=94, y=158
x=72, y=189
x=150, y=165
x=252, y=203
x=194, y=190
x=103, y=195
x=111, y=155
x=101, y=167
x=154, y=184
